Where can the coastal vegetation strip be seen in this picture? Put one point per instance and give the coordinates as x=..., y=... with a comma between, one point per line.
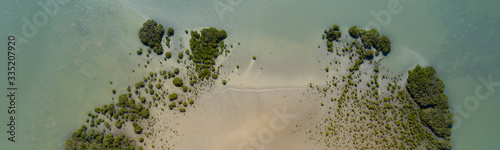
x=152, y=92
x=369, y=110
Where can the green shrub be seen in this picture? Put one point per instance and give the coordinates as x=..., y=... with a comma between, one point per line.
x=184, y=88
x=182, y=109
x=137, y=128
x=113, y=91
x=224, y=82
x=176, y=70
x=254, y=58
x=385, y=45
x=139, y=84
x=118, y=124
x=370, y=38
x=158, y=85
x=354, y=32
x=143, y=99
x=107, y=125
x=122, y=100
x=205, y=48
x=168, y=55
x=178, y=82
x=150, y=35
x=180, y=55
x=185, y=104
x=170, y=31
x=139, y=52
x=369, y=53
x=172, y=96
x=171, y=105
x=191, y=101
x=333, y=33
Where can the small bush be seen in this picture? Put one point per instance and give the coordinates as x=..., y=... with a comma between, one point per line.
x=168, y=55
x=171, y=105
x=354, y=32
x=184, y=88
x=172, y=96
x=181, y=55
x=177, y=82
x=170, y=31
x=137, y=128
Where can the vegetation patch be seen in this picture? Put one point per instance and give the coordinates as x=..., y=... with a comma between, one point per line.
x=150, y=35
x=427, y=91
x=205, y=48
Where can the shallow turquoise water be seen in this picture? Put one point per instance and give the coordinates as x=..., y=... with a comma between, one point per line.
x=64, y=68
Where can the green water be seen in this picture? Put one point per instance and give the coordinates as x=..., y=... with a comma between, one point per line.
x=63, y=70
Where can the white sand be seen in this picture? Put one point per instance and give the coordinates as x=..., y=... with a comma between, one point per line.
x=231, y=118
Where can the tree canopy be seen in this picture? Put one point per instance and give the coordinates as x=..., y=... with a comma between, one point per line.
x=333, y=33
x=427, y=91
x=354, y=32
x=205, y=48
x=150, y=35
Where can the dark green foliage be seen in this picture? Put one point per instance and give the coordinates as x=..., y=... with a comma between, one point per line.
x=333, y=33
x=254, y=58
x=139, y=84
x=224, y=82
x=150, y=35
x=168, y=55
x=354, y=32
x=427, y=91
x=181, y=56
x=205, y=48
x=137, y=128
x=158, y=49
x=176, y=70
x=369, y=53
x=139, y=52
x=122, y=100
x=141, y=139
x=158, y=85
x=184, y=88
x=182, y=109
x=177, y=82
x=83, y=139
x=191, y=101
x=172, y=96
x=336, y=28
x=143, y=99
x=425, y=87
x=171, y=105
x=170, y=32
x=385, y=45
x=370, y=38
